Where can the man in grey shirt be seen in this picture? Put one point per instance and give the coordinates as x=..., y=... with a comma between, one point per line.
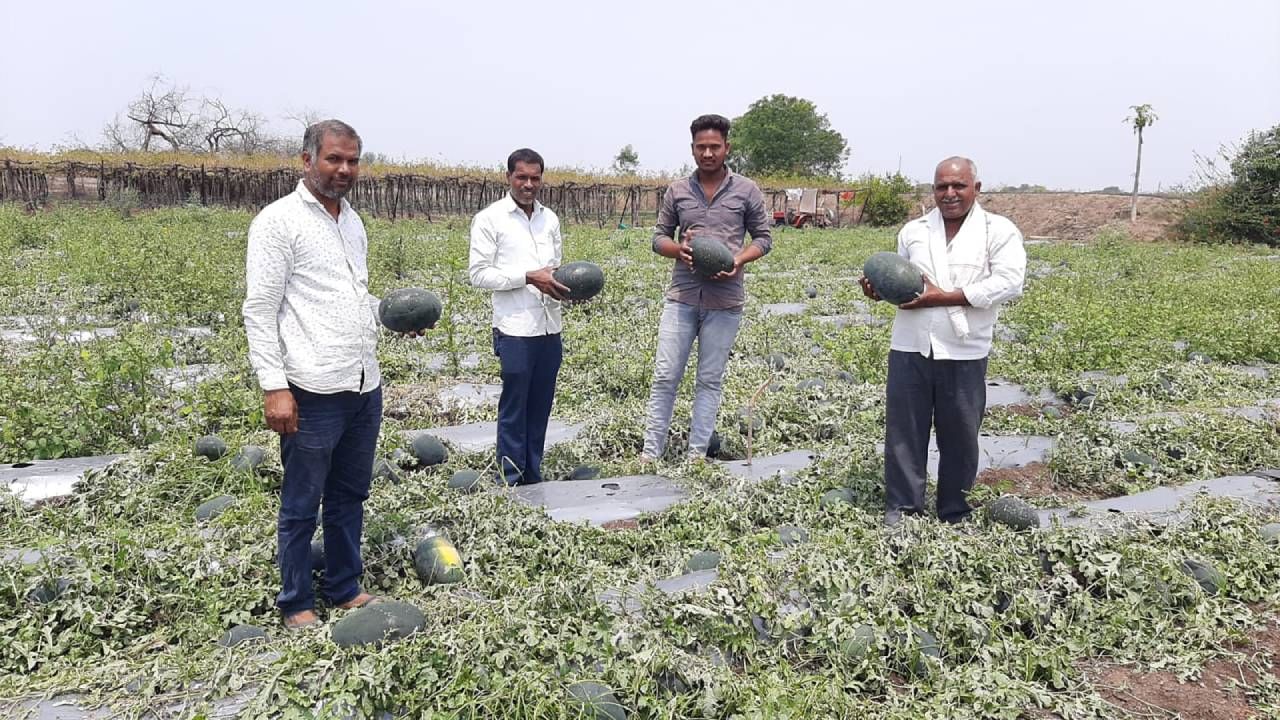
x=712, y=203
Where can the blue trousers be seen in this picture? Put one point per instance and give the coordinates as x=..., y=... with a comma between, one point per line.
x=951, y=396
x=529, y=369
x=328, y=462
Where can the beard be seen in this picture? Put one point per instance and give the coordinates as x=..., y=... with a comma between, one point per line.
x=326, y=187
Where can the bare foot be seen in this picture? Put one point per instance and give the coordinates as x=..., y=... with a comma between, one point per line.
x=301, y=619
x=359, y=601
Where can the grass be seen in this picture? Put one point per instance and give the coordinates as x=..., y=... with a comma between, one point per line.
x=150, y=590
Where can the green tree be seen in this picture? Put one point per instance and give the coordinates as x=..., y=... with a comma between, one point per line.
x=1143, y=117
x=626, y=161
x=1242, y=202
x=783, y=135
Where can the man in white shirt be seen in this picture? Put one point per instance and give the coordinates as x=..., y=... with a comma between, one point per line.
x=972, y=262
x=312, y=331
x=515, y=247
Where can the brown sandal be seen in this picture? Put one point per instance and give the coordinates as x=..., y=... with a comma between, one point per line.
x=291, y=621
x=356, y=602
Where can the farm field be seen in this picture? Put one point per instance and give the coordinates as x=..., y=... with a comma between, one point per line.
x=1135, y=365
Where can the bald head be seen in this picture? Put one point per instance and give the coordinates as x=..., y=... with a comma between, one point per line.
x=957, y=163
x=955, y=188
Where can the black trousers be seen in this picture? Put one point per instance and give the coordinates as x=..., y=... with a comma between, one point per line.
x=950, y=396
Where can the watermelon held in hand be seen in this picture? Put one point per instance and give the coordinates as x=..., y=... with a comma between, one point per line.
x=893, y=277
x=710, y=256
x=584, y=279
x=409, y=310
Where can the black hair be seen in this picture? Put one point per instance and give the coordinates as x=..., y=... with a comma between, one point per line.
x=710, y=122
x=315, y=132
x=525, y=155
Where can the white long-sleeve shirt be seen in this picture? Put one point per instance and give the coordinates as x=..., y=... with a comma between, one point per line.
x=985, y=259
x=308, y=314
x=506, y=244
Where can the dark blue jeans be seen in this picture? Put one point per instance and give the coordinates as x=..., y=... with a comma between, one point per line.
x=328, y=461
x=529, y=369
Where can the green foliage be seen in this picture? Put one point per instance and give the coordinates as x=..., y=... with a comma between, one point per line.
x=782, y=135
x=1243, y=206
x=886, y=199
x=627, y=161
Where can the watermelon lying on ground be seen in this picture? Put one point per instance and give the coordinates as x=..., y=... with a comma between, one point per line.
x=429, y=450
x=584, y=279
x=409, y=310
x=210, y=446
x=378, y=623
x=437, y=561
x=893, y=277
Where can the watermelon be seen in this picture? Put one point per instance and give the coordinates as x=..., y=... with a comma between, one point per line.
x=1012, y=511
x=922, y=651
x=749, y=422
x=838, y=496
x=1206, y=575
x=240, y=634
x=790, y=535
x=776, y=361
x=584, y=472
x=702, y=560
x=428, y=450
x=377, y=623
x=465, y=480
x=210, y=446
x=893, y=277
x=437, y=562
x=811, y=291
x=710, y=256
x=714, y=444
x=812, y=385
x=317, y=555
x=1270, y=532
x=213, y=507
x=384, y=469
x=1136, y=458
x=248, y=459
x=595, y=701
x=409, y=310
x=854, y=647
x=48, y=591
x=585, y=280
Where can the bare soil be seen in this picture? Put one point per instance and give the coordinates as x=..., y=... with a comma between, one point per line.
x=1033, y=480
x=1077, y=217
x=1222, y=691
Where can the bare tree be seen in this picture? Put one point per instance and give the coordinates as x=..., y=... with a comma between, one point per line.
x=225, y=128
x=1143, y=116
x=163, y=112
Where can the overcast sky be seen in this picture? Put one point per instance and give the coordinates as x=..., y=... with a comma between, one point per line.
x=1034, y=92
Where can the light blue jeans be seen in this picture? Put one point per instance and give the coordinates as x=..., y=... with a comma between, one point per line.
x=715, y=331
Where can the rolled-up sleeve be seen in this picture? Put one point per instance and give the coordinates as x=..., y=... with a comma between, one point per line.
x=759, y=221
x=268, y=266
x=1008, y=262
x=667, y=219
x=483, y=268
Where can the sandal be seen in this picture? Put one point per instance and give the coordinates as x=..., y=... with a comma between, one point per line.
x=362, y=599
x=293, y=621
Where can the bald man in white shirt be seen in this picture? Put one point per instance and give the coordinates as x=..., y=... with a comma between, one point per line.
x=972, y=261
x=515, y=247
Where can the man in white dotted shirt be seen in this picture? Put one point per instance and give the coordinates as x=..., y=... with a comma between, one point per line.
x=312, y=330
x=515, y=246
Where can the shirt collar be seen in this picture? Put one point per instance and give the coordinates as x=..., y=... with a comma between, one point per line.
x=307, y=197
x=509, y=204
x=697, y=186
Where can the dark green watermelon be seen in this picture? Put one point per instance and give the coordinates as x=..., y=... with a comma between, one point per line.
x=409, y=310
x=428, y=450
x=248, y=459
x=384, y=469
x=855, y=647
x=212, y=508
x=714, y=444
x=710, y=256
x=702, y=560
x=776, y=361
x=791, y=535
x=240, y=634
x=49, y=590
x=584, y=472
x=210, y=446
x=749, y=421
x=584, y=279
x=1206, y=576
x=1012, y=511
x=839, y=496
x=595, y=701
x=375, y=624
x=922, y=651
x=465, y=480
x=893, y=277
x=317, y=555
x=437, y=561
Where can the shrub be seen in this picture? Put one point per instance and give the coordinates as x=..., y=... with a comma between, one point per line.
x=1245, y=204
x=886, y=202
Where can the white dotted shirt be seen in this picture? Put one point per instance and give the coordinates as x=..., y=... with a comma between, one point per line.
x=308, y=314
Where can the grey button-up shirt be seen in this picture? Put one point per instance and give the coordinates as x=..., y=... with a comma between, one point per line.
x=737, y=209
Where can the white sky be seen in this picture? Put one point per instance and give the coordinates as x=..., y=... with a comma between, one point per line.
x=1034, y=92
